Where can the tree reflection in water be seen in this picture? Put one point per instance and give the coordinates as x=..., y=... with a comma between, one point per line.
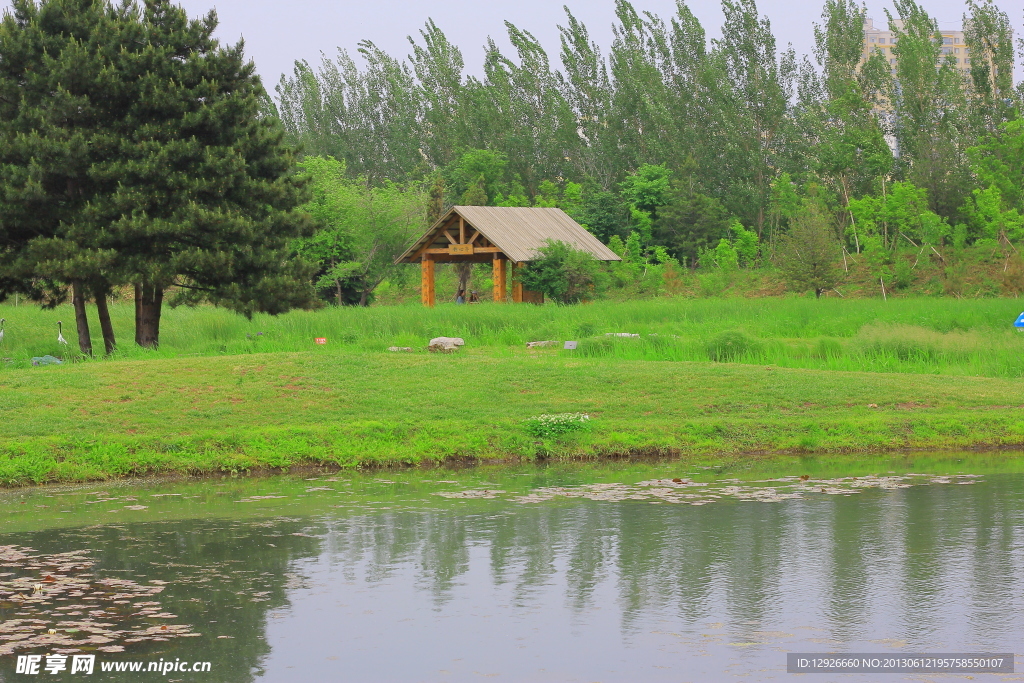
x=610, y=590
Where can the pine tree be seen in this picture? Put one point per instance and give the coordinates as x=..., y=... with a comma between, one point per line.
x=136, y=153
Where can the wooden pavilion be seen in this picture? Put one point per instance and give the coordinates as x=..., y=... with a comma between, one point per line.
x=506, y=236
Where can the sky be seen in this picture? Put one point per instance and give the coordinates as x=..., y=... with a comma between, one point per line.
x=278, y=32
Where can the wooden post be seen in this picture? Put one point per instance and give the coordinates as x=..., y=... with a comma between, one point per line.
x=427, y=280
x=517, y=286
x=499, y=279
x=462, y=231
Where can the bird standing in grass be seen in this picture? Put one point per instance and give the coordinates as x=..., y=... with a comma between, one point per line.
x=2, y=321
x=60, y=335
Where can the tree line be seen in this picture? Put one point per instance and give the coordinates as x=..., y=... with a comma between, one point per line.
x=685, y=142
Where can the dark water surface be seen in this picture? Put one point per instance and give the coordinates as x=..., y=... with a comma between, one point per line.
x=585, y=573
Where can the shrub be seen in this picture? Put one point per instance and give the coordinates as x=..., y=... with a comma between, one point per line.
x=565, y=274
x=549, y=426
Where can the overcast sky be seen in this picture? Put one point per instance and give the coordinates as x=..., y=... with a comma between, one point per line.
x=278, y=32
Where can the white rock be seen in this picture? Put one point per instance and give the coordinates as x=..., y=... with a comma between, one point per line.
x=541, y=344
x=400, y=348
x=445, y=344
x=448, y=341
x=621, y=334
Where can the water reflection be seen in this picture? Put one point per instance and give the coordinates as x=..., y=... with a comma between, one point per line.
x=579, y=589
x=932, y=568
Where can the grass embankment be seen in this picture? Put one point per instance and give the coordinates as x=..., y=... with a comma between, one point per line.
x=351, y=408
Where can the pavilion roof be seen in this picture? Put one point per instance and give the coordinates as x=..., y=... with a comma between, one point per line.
x=518, y=231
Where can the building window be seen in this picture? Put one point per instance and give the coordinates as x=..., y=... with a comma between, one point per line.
x=892, y=61
x=956, y=50
x=873, y=39
x=946, y=40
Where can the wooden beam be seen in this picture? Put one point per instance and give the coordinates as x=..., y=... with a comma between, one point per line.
x=427, y=280
x=462, y=231
x=427, y=246
x=474, y=258
x=517, y=286
x=476, y=250
x=476, y=233
x=498, y=266
x=449, y=236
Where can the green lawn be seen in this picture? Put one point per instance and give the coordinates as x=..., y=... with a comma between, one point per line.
x=350, y=407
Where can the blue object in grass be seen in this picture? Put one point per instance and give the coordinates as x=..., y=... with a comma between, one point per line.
x=1020, y=321
x=47, y=360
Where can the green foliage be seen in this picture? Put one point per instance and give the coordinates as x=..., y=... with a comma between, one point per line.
x=726, y=256
x=479, y=172
x=998, y=162
x=808, y=254
x=475, y=194
x=690, y=222
x=603, y=213
x=617, y=245
x=745, y=243
x=645, y=189
x=634, y=250
x=989, y=219
x=565, y=274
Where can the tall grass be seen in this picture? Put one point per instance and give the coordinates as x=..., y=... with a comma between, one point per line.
x=960, y=337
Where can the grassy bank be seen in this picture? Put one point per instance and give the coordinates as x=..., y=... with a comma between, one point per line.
x=354, y=408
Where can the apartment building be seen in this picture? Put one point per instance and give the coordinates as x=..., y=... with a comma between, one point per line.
x=883, y=40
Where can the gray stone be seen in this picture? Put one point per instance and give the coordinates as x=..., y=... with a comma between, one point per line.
x=445, y=344
x=397, y=349
x=448, y=341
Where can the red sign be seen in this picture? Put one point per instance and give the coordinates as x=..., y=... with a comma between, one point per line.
x=321, y=340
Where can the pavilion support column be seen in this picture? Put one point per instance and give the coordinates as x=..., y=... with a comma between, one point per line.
x=427, y=280
x=499, y=279
x=517, y=285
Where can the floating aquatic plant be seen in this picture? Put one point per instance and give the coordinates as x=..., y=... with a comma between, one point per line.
x=66, y=609
x=685, y=491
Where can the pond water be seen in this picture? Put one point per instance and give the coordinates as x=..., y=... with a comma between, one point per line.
x=598, y=572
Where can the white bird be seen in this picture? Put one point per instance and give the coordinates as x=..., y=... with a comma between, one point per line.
x=2, y=321
x=60, y=335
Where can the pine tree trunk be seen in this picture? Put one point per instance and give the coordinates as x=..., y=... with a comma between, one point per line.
x=81, y=320
x=148, y=301
x=104, y=313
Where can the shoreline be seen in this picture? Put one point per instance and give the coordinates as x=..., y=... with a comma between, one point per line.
x=188, y=472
